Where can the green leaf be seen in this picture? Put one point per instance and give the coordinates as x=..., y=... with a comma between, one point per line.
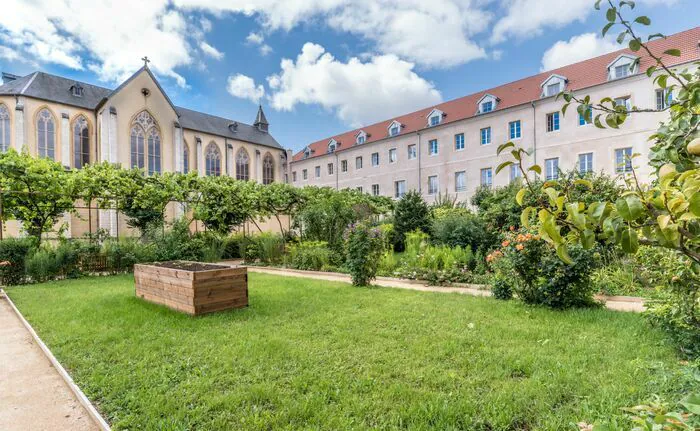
x=611, y=121
x=629, y=240
x=694, y=202
x=630, y=207
x=661, y=80
x=607, y=27
x=635, y=45
x=525, y=217
x=651, y=70
x=563, y=109
x=597, y=4
x=563, y=254
x=621, y=37
x=535, y=168
x=503, y=165
x=583, y=182
x=520, y=196
x=597, y=122
x=656, y=36
x=587, y=239
x=692, y=403
x=674, y=52
x=644, y=20
x=611, y=14
x=503, y=147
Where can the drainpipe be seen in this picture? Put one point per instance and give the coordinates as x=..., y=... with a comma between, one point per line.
x=336, y=169
x=418, y=150
x=534, y=133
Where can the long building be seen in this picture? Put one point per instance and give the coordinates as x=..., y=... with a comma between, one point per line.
x=135, y=125
x=451, y=147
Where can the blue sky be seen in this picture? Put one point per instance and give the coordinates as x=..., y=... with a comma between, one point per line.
x=318, y=67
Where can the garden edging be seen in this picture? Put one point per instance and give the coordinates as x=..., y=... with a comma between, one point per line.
x=82, y=399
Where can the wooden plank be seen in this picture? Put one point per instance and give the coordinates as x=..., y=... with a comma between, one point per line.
x=217, y=273
x=166, y=272
x=222, y=296
x=210, y=308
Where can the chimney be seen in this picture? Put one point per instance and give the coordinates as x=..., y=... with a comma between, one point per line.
x=260, y=121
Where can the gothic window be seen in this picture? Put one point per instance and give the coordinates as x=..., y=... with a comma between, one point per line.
x=242, y=165
x=268, y=169
x=212, y=160
x=4, y=128
x=185, y=159
x=81, y=142
x=46, y=134
x=145, y=143
x=153, y=151
x=137, y=147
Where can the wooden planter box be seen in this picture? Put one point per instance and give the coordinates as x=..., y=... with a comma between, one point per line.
x=191, y=287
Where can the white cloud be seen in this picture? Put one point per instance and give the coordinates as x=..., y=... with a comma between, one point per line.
x=358, y=92
x=9, y=53
x=211, y=51
x=107, y=39
x=244, y=87
x=259, y=40
x=436, y=33
x=576, y=49
x=527, y=18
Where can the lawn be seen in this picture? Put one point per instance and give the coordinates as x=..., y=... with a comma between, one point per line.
x=320, y=355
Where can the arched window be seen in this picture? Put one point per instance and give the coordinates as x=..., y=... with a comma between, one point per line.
x=81, y=142
x=242, y=165
x=153, y=151
x=145, y=143
x=46, y=134
x=185, y=158
x=268, y=169
x=4, y=128
x=212, y=160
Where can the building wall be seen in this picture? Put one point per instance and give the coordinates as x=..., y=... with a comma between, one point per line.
x=566, y=144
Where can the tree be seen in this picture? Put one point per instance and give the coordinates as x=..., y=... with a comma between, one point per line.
x=225, y=202
x=35, y=191
x=411, y=213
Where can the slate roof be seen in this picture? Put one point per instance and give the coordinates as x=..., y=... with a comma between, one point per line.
x=580, y=75
x=44, y=86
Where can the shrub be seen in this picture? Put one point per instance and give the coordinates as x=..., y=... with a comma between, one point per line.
x=233, y=246
x=122, y=254
x=309, y=255
x=13, y=253
x=363, y=249
x=461, y=228
x=42, y=265
x=502, y=288
x=411, y=213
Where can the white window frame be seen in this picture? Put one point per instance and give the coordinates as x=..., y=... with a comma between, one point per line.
x=375, y=189
x=514, y=172
x=551, y=164
x=344, y=165
x=619, y=167
x=488, y=135
x=375, y=159
x=556, y=125
x=463, y=142
x=552, y=80
x=463, y=187
x=393, y=156
x=358, y=162
x=482, y=103
x=489, y=177
x=433, y=188
x=430, y=147
x=398, y=194
x=412, y=152
x=519, y=130
x=578, y=162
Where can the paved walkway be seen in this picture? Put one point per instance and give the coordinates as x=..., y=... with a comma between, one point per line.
x=32, y=394
x=618, y=303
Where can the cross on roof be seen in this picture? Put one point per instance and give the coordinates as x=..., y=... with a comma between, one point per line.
x=145, y=61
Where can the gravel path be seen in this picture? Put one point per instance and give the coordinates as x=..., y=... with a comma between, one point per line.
x=32, y=394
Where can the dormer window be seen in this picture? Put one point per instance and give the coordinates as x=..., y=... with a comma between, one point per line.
x=435, y=117
x=76, y=90
x=553, y=85
x=361, y=137
x=332, y=146
x=624, y=65
x=394, y=128
x=487, y=103
x=307, y=152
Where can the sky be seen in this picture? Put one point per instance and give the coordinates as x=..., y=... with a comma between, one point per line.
x=318, y=67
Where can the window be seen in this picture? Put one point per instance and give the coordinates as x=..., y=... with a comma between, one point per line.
x=664, y=97
x=268, y=169
x=332, y=145
x=551, y=168
x=553, y=121
x=435, y=120
x=622, y=71
x=486, y=136
x=243, y=166
x=625, y=102
x=330, y=169
x=392, y=155
x=358, y=162
x=212, y=160
x=432, y=184
x=460, y=181
x=185, y=159
x=81, y=143
x=514, y=129
x=307, y=152
x=375, y=189
x=515, y=172
x=317, y=170
x=585, y=163
x=459, y=141
x=486, y=177
x=375, y=159
x=4, y=128
x=586, y=118
x=552, y=89
x=343, y=166
x=46, y=134
x=411, y=151
x=294, y=176
x=399, y=189
x=145, y=143
x=76, y=90
x=487, y=106
x=304, y=174
x=623, y=160
x=359, y=189
x=360, y=139
x=394, y=129
x=433, y=147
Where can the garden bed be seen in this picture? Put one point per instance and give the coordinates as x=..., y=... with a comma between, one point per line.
x=192, y=287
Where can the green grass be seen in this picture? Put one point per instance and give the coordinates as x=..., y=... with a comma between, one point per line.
x=320, y=355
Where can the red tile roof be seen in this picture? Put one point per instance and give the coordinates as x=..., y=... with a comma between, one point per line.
x=579, y=75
